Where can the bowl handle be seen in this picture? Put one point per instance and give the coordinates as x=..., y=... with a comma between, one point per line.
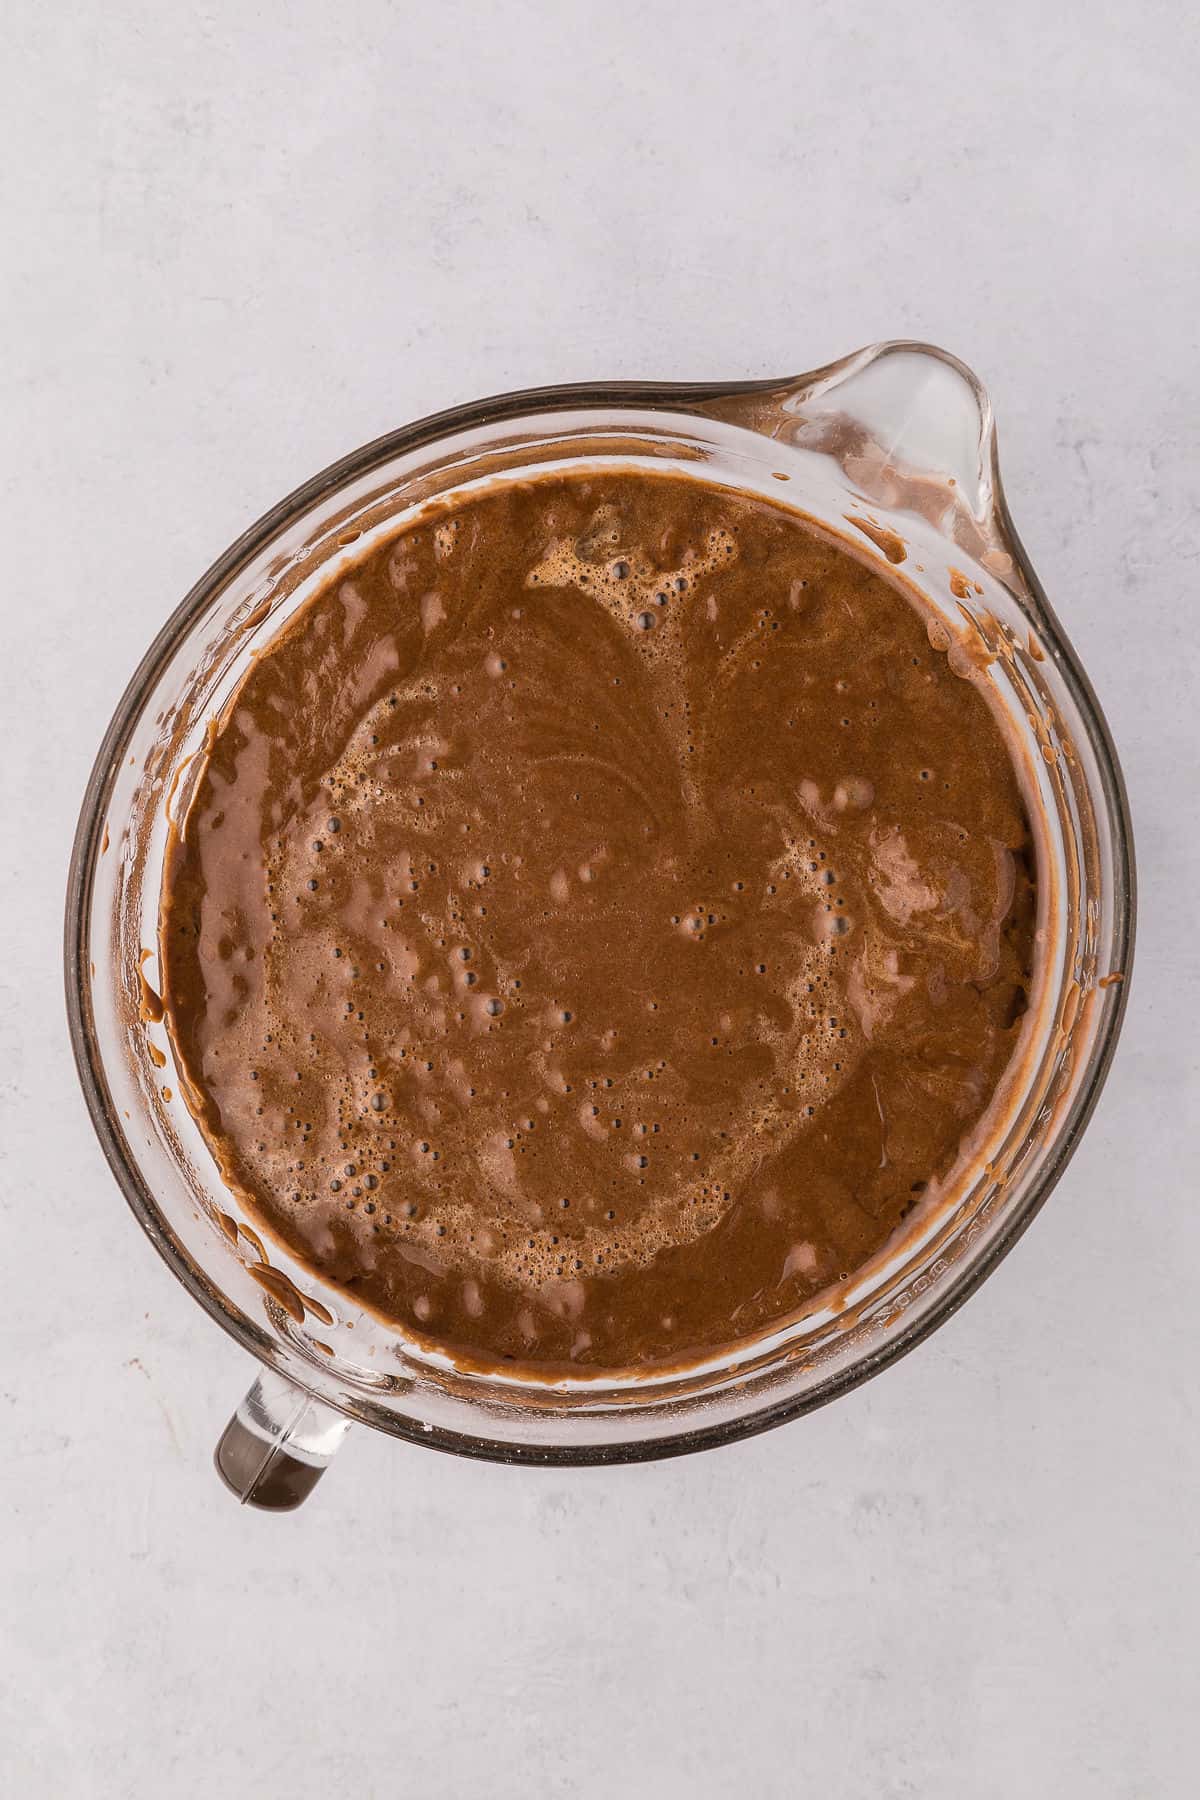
x=278, y=1444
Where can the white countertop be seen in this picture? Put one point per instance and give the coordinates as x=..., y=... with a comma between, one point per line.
x=244, y=246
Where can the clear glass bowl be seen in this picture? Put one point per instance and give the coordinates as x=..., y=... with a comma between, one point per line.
x=894, y=450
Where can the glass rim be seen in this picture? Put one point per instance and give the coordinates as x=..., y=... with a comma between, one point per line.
x=961, y=1282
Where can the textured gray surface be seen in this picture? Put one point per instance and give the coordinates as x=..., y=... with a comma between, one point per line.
x=243, y=244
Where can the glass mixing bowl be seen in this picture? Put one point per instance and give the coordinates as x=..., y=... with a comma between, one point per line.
x=893, y=449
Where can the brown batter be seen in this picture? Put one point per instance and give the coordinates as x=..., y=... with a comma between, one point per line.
x=599, y=919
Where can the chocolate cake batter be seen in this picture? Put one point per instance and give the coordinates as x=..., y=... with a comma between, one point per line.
x=599, y=919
